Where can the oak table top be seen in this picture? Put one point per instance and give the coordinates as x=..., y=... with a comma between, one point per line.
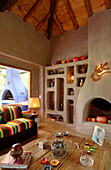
x=72, y=158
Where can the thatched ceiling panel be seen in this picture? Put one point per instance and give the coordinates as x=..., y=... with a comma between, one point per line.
x=98, y=5
x=69, y=14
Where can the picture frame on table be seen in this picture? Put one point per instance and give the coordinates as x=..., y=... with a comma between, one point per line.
x=98, y=135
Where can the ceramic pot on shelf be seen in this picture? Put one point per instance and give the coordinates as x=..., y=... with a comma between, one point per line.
x=63, y=62
x=58, y=62
x=101, y=119
x=68, y=61
x=75, y=59
x=83, y=57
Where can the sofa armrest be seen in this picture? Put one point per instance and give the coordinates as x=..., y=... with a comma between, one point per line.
x=28, y=116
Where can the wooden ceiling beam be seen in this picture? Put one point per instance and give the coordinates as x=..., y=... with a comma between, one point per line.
x=42, y=21
x=108, y=4
x=88, y=7
x=72, y=15
x=30, y=12
x=51, y=19
x=10, y=9
x=6, y=4
x=58, y=23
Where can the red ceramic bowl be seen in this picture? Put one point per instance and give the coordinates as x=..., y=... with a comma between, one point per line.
x=68, y=61
x=83, y=58
x=76, y=59
x=88, y=119
x=58, y=62
x=101, y=119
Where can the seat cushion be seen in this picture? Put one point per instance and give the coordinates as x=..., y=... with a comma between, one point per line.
x=14, y=126
x=12, y=112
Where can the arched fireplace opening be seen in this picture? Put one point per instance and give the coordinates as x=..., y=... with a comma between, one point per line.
x=95, y=108
x=7, y=95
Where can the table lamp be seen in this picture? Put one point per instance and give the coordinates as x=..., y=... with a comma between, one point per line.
x=34, y=103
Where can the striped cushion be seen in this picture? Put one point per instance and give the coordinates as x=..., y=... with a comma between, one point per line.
x=11, y=112
x=15, y=126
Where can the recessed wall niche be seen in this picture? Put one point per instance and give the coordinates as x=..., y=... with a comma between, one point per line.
x=70, y=74
x=50, y=82
x=50, y=99
x=70, y=91
x=82, y=69
x=60, y=94
x=70, y=111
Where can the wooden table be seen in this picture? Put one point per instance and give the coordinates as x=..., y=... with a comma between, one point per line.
x=72, y=159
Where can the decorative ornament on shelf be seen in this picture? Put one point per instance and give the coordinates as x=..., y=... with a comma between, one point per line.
x=101, y=119
x=63, y=62
x=81, y=82
x=99, y=71
x=83, y=57
x=75, y=59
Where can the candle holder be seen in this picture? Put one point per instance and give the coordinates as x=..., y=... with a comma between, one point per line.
x=58, y=148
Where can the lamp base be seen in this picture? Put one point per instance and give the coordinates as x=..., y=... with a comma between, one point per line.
x=35, y=113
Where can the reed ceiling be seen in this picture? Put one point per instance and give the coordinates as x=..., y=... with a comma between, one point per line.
x=53, y=17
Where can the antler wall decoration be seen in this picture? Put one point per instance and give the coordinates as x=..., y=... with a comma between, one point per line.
x=99, y=71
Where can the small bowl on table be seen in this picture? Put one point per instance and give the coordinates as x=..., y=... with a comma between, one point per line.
x=65, y=133
x=57, y=134
x=47, y=167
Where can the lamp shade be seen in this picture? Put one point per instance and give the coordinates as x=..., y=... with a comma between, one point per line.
x=34, y=103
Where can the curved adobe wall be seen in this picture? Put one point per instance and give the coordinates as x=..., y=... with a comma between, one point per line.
x=99, y=49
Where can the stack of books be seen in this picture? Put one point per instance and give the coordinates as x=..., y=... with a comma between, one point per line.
x=22, y=163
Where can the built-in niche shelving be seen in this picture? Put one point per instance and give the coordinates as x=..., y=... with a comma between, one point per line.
x=82, y=69
x=80, y=81
x=50, y=100
x=50, y=82
x=60, y=94
x=70, y=91
x=70, y=111
x=61, y=91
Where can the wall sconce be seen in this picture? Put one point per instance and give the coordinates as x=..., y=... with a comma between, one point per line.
x=99, y=71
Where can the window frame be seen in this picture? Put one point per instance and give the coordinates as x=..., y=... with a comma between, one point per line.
x=29, y=90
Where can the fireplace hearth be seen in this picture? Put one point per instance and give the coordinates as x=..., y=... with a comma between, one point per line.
x=98, y=107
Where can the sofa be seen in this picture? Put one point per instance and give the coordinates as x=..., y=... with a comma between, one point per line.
x=15, y=126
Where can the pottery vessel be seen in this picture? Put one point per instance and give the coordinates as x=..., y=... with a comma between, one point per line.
x=68, y=61
x=101, y=119
x=58, y=62
x=83, y=58
x=76, y=59
x=16, y=150
x=63, y=62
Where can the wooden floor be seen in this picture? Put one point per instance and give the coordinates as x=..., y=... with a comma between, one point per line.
x=50, y=127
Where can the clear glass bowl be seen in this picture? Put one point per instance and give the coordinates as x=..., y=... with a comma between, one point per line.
x=86, y=160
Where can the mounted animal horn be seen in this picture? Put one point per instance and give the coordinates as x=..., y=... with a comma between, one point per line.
x=6, y=4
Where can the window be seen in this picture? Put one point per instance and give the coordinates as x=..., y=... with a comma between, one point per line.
x=14, y=86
